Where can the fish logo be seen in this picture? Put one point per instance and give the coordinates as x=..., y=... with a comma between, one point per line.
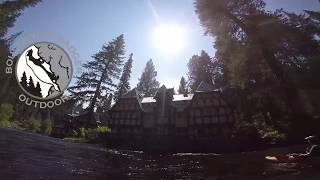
x=44, y=70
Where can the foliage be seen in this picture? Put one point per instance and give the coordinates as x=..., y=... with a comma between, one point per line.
x=183, y=89
x=104, y=103
x=201, y=68
x=147, y=82
x=261, y=127
x=6, y=111
x=75, y=139
x=124, y=85
x=34, y=124
x=94, y=134
x=99, y=74
x=46, y=126
x=9, y=12
x=264, y=56
x=103, y=130
x=265, y=130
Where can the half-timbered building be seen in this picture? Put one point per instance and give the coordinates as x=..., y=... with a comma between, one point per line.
x=203, y=114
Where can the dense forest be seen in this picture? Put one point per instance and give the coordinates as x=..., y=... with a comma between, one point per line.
x=267, y=65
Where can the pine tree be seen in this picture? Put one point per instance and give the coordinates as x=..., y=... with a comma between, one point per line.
x=201, y=68
x=31, y=87
x=183, y=89
x=99, y=73
x=105, y=103
x=124, y=85
x=147, y=82
x=23, y=81
x=9, y=12
x=37, y=90
x=264, y=53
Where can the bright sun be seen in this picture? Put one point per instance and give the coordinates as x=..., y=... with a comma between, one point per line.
x=170, y=39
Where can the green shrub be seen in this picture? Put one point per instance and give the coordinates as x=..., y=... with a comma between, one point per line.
x=6, y=112
x=260, y=127
x=46, y=126
x=103, y=129
x=82, y=132
x=34, y=124
x=265, y=130
x=93, y=134
x=75, y=139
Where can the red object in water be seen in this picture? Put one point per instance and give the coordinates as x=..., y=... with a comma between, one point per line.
x=283, y=158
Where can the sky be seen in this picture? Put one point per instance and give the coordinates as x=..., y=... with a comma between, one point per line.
x=87, y=25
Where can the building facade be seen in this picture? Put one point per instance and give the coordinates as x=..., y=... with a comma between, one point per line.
x=202, y=115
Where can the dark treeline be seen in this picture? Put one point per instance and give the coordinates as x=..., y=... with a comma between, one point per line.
x=267, y=63
x=14, y=114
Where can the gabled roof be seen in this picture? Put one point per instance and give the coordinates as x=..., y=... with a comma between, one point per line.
x=204, y=87
x=132, y=93
x=160, y=90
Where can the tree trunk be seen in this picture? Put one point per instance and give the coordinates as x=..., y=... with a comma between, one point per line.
x=94, y=99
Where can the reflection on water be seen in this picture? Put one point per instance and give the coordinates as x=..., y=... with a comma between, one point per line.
x=140, y=165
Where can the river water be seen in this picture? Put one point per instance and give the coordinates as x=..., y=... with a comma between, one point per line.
x=250, y=165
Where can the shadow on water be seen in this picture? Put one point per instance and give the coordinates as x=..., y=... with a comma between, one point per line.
x=250, y=165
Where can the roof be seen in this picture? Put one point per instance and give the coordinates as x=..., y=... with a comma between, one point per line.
x=204, y=86
x=148, y=100
x=132, y=93
x=182, y=97
x=160, y=90
x=179, y=101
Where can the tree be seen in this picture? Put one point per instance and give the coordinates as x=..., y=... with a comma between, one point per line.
x=124, y=85
x=37, y=90
x=105, y=103
x=260, y=50
x=183, y=89
x=201, y=68
x=9, y=12
x=147, y=82
x=31, y=87
x=23, y=81
x=99, y=74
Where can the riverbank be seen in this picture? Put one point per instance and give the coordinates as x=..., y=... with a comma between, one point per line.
x=32, y=156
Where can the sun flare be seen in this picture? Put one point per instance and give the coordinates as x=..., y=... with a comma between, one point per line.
x=170, y=39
